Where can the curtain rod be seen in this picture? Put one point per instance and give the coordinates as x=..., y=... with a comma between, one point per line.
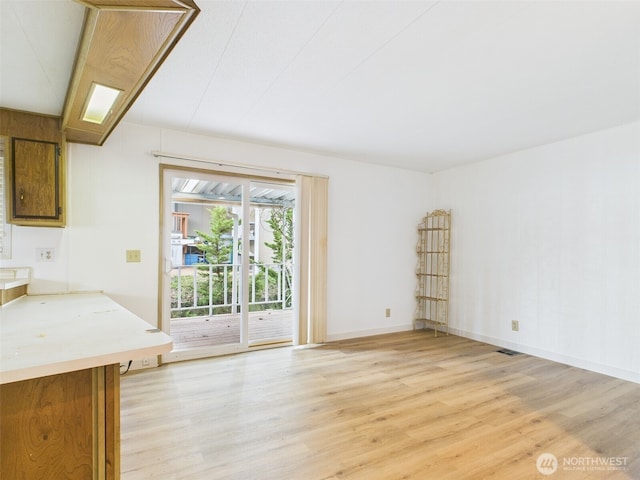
x=271, y=171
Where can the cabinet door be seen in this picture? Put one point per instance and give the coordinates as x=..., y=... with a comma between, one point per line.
x=47, y=428
x=64, y=426
x=36, y=192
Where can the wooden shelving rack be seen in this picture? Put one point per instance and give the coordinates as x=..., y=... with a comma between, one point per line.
x=432, y=292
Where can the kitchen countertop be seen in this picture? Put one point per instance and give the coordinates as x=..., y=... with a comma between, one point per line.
x=14, y=277
x=14, y=282
x=44, y=335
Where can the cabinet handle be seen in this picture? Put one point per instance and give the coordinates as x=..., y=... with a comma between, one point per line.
x=22, y=196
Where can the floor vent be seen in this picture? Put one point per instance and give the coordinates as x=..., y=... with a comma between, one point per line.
x=506, y=351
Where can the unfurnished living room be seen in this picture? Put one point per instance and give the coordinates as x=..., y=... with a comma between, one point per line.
x=319, y=239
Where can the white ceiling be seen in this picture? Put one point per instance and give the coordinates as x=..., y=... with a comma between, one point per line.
x=424, y=85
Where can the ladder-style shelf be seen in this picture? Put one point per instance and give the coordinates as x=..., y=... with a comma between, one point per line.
x=432, y=292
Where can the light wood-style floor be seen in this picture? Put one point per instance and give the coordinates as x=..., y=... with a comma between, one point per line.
x=397, y=406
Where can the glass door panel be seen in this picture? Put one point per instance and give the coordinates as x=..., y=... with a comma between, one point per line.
x=270, y=282
x=203, y=277
x=220, y=234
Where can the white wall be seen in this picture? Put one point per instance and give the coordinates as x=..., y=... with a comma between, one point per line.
x=374, y=212
x=551, y=237
x=114, y=206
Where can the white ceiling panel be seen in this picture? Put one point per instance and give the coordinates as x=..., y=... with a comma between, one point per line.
x=38, y=41
x=175, y=93
x=349, y=37
x=419, y=84
x=268, y=36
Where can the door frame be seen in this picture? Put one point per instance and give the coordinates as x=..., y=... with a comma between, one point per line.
x=167, y=172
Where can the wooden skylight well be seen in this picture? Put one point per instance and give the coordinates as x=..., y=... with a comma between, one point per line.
x=123, y=43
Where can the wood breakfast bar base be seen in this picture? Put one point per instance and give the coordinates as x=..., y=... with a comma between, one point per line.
x=62, y=426
x=60, y=384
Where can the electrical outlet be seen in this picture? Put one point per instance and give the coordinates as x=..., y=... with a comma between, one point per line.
x=515, y=325
x=133, y=256
x=387, y=313
x=45, y=254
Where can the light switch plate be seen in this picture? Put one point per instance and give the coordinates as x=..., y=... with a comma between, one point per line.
x=133, y=256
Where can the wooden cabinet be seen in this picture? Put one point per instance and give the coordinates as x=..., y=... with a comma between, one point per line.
x=34, y=159
x=62, y=426
x=34, y=184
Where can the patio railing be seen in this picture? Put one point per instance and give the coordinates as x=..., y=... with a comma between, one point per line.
x=207, y=289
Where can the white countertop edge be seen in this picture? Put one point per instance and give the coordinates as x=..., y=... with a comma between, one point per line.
x=31, y=372
x=52, y=334
x=12, y=283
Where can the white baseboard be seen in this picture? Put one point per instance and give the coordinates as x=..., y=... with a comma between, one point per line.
x=332, y=337
x=555, y=357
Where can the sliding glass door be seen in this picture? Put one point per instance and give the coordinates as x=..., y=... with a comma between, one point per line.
x=227, y=276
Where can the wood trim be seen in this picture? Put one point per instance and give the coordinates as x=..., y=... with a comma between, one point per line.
x=18, y=123
x=156, y=5
x=112, y=422
x=106, y=422
x=98, y=411
x=123, y=43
